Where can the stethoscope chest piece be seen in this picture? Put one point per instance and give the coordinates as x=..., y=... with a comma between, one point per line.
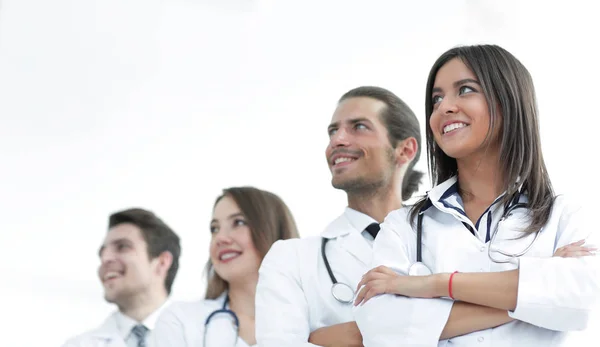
x=342, y=292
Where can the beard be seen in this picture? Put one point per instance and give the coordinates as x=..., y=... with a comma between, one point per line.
x=369, y=183
x=122, y=297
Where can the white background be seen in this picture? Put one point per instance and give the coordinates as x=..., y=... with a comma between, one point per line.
x=160, y=104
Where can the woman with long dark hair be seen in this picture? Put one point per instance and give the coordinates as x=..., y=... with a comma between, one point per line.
x=491, y=233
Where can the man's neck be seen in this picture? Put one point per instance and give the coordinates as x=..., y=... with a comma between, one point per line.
x=377, y=205
x=142, y=306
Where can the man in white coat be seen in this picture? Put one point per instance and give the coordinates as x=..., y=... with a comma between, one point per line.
x=373, y=147
x=139, y=260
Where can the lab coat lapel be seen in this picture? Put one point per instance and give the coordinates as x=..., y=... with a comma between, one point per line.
x=108, y=334
x=354, y=242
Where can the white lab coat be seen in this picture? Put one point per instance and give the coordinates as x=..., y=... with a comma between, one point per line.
x=182, y=324
x=107, y=335
x=113, y=330
x=293, y=295
x=555, y=295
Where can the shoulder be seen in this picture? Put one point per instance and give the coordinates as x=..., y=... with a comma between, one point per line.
x=76, y=340
x=398, y=220
x=291, y=247
x=188, y=310
x=85, y=338
x=567, y=203
x=290, y=258
x=568, y=210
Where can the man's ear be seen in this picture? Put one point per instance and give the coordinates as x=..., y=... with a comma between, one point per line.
x=165, y=260
x=406, y=151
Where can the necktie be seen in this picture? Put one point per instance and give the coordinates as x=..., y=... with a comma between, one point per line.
x=139, y=331
x=373, y=229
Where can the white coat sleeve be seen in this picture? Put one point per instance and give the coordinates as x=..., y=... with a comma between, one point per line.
x=72, y=342
x=282, y=312
x=393, y=320
x=559, y=293
x=169, y=329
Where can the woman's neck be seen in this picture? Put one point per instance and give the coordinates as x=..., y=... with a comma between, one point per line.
x=241, y=297
x=480, y=179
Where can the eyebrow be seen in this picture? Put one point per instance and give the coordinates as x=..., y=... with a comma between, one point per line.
x=457, y=84
x=121, y=240
x=231, y=216
x=351, y=121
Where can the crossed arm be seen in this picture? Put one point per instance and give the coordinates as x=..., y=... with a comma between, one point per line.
x=553, y=293
x=464, y=318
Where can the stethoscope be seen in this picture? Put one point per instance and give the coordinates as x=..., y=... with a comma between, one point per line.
x=342, y=292
x=222, y=311
x=420, y=269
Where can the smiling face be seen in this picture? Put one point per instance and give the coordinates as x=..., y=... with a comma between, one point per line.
x=126, y=270
x=232, y=251
x=460, y=120
x=359, y=155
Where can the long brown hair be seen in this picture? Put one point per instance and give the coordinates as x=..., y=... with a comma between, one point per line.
x=508, y=88
x=269, y=220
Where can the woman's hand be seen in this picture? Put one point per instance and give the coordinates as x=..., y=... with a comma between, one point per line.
x=383, y=280
x=574, y=250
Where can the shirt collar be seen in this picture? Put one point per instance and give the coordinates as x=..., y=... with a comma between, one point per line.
x=126, y=323
x=450, y=187
x=443, y=189
x=358, y=220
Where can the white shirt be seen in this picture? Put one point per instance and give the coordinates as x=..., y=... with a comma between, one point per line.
x=183, y=324
x=125, y=324
x=555, y=295
x=293, y=295
x=116, y=331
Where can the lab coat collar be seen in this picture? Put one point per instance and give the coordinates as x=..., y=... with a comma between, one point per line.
x=350, y=221
x=450, y=186
x=109, y=332
x=118, y=326
x=443, y=189
x=347, y=229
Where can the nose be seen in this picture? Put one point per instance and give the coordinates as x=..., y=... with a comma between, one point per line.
x=340, y=138
x=107, y=256
x=448, y=105
x=222, y=238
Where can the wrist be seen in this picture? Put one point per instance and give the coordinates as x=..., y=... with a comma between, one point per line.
x=441, y=281
x=315, y=337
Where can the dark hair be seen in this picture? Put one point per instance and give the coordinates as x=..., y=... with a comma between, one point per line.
x=268, y=219
x=159, y=237
x=401, y=123
x=509, y=92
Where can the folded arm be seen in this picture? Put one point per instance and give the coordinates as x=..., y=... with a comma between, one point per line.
x=555, y=293
x=169, y=329
x=391, y=320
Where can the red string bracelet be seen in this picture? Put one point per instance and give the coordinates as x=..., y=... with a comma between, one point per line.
x=450, y=285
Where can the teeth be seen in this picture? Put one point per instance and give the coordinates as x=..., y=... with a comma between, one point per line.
x=342, y=160
x=110, y=275
x=229, y=255
x=453, y=126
